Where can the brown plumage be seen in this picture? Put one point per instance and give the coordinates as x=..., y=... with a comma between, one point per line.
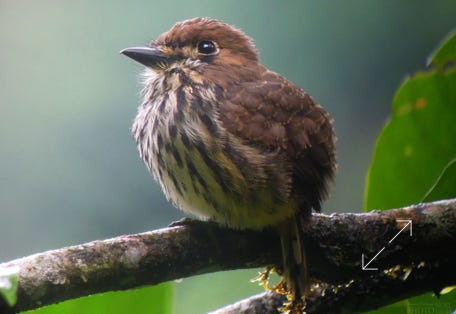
x=231, y=141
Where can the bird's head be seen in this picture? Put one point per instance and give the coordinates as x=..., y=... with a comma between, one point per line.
x=206, y=45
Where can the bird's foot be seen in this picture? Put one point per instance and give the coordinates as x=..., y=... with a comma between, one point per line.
x=293, y=307
x=263, y=279
x=294, y=304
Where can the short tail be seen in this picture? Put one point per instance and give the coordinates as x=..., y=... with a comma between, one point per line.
x=294, y=269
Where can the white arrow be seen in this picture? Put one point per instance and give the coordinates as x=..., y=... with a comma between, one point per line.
x=364, y=267
x=408, y=222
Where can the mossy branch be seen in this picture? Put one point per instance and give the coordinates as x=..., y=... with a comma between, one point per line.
x=334, y=245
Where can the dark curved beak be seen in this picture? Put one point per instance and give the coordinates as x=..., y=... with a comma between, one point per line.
x=148, y=56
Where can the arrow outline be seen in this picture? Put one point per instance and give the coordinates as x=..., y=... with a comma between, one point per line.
x=409, y=222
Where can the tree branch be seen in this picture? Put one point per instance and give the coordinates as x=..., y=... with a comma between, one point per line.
x=376, y=290
x=334, y=245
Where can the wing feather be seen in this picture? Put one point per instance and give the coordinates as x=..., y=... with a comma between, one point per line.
x=276, y=115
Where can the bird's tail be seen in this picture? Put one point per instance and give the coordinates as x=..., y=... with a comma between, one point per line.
x=294, y=270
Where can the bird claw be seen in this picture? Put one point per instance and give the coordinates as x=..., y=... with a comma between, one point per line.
x=294, y=305
x=263, y=279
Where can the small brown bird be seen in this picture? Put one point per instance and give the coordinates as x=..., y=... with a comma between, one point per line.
x=231, y=141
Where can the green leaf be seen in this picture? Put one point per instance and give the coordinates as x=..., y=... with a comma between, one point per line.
x=151, y=300
x=415, y=155
x=445, y=187
x=445, y=53
x=425, y=303
x=416, y=144
x=8, y=284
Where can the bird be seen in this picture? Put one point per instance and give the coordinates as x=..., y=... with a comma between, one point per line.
x=232, y=142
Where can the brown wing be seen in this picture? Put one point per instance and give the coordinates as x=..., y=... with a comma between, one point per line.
x=275, y=114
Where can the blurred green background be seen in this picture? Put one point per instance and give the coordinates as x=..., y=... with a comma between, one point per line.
x=69, y=170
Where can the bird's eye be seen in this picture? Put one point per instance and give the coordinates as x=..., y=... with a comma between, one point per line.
x=207, y=47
